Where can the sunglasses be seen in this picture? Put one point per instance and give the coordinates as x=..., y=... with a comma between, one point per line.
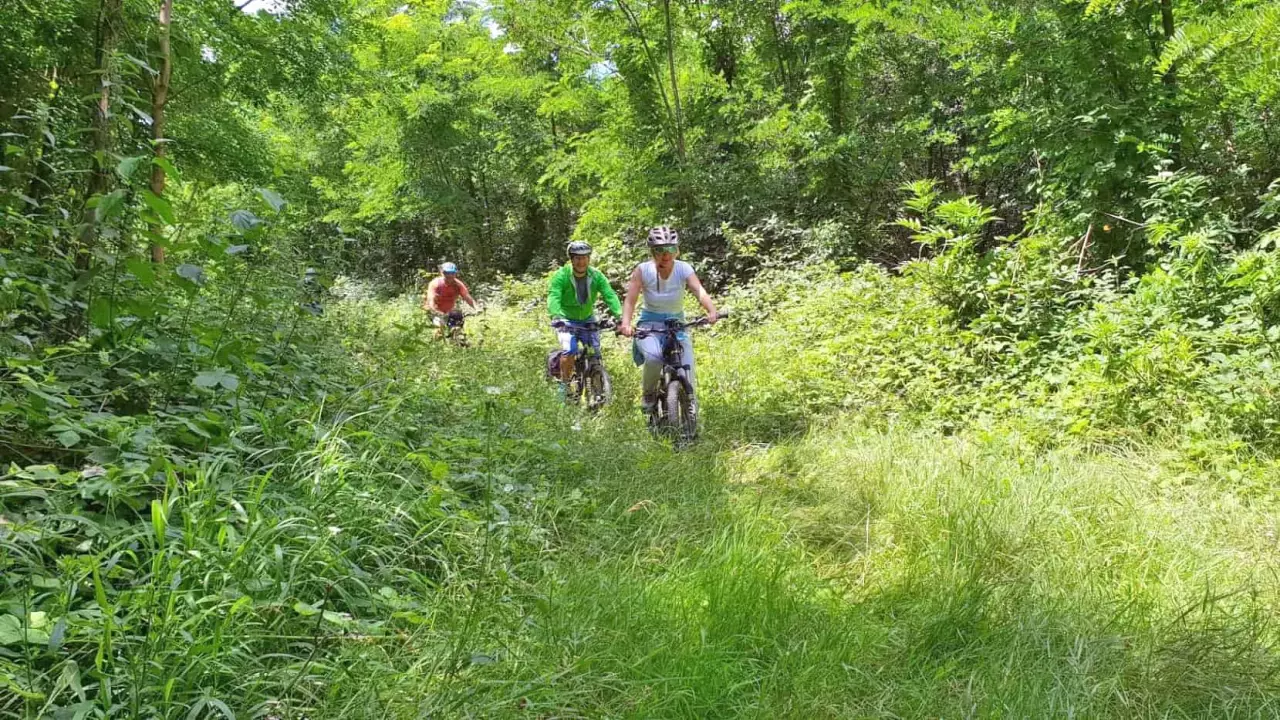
x=664, y=250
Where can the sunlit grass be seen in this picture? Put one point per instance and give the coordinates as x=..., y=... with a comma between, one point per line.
x=449, y=540
x=853, y=572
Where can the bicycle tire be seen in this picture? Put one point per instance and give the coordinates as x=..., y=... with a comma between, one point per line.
x=577, y=388
x=655, y=419
x=680, y=420
x=599, y=387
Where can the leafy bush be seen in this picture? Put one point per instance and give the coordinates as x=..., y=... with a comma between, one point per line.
x=1033, y=331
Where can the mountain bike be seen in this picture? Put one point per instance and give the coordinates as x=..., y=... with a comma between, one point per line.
x=675, y=412
x=590, y=380
x=455, y=330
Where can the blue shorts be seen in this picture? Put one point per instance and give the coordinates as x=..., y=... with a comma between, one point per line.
x=569, y=342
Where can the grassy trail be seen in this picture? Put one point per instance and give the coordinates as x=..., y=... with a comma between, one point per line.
x=842, y=571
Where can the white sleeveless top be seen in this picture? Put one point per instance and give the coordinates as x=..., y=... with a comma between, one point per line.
x=664, y=295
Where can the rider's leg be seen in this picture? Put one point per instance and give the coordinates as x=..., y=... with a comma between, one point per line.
x=651, y=372
x=686, y=345
x=438, y=320
x=568, y=353
x=567, y=361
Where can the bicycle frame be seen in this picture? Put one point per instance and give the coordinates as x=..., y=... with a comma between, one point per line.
x=589, y=358
x=674, y=366
x=588, y=336
x=454, y=329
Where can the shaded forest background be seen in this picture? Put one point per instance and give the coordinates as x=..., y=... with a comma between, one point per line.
x=492, y=133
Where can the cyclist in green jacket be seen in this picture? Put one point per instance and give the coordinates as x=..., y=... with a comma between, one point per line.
x=571, y=300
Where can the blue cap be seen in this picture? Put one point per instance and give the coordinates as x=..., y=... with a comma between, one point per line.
x=449, y=268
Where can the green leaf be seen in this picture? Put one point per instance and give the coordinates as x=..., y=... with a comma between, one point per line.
x=101, y=312
x=210, y=379
x=142, y=270
x=194, y=273
x=128, y=166
x=158, y=520
x=273, y=199
x=142, y=64
x=13, y=633
x=58, y=635
x=142, y=115
x=206, y=380
x=69, y=438
x=194, y=428
x=170, y=170
x=34, y=388
x=338, y=618
x=100, y=592
x=197, y=710
x=109, y=205
x=244, y=221
x=160, y=206
x=304, y=609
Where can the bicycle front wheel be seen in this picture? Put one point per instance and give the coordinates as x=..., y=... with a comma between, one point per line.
x=681, y=421
x=599, y=387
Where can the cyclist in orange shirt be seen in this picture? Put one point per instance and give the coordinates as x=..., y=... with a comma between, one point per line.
x=442, y=295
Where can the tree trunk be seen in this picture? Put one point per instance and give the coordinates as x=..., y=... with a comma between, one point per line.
x=559, y=223
x=835, y=76
x=1170, y=80
x=784, y=77
x=675, y=82
x=634, y=20
x=109, y=21
x=159, y=96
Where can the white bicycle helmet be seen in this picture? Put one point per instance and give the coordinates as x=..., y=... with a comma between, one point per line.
x=663, y=236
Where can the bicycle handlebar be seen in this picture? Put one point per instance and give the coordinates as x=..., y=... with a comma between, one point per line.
x=574, y=328
x=675, y=326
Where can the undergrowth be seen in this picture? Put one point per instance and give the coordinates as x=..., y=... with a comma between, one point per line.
x=991, y=483
x=446, y=539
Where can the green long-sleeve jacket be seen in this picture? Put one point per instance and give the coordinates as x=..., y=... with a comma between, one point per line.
x=562, y=296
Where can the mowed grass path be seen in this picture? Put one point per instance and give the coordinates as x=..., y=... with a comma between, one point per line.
x=840, y=571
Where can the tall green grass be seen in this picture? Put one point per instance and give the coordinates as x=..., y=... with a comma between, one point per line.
x=836, y=569
x=448, y=540
x=860, y=573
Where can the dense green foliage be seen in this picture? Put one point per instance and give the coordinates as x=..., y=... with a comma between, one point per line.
x=992, y=430
x=494, y=132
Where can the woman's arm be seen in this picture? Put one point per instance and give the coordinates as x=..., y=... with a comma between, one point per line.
x=629, y=305
x=704, y=299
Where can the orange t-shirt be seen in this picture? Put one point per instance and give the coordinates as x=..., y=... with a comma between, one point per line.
x=446, y=293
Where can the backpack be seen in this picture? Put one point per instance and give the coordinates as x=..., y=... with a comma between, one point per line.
x=553, y=364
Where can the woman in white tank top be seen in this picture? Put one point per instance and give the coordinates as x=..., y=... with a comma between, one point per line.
x=663, y=281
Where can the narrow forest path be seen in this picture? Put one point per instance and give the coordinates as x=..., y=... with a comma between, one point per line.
x=845, y=571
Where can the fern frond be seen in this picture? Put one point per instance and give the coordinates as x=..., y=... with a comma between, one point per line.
x=1202, y=43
